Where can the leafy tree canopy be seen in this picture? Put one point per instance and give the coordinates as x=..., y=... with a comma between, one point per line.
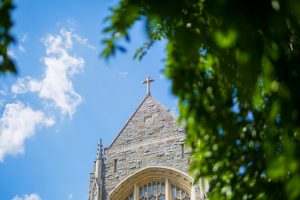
x=6, y=63
x=235, y=67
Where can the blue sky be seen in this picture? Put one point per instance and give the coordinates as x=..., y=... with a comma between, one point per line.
x=65, y=98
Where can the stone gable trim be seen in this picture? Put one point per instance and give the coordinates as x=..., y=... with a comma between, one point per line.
x=146, y=97
x=129, y=120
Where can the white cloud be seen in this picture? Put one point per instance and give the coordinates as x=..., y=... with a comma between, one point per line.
x=22, y=48
x=23, y=85
x=161, y=76
x=70, y=196
x=11, y=54
x=83, y=41
x=18, y=123
x=24, y=37
x=27, y=197
x=56, y=84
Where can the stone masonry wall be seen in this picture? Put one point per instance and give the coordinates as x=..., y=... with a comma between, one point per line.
x=151, y=137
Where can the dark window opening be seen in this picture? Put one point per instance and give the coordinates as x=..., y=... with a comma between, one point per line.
x=182, y=150
x=115, y=165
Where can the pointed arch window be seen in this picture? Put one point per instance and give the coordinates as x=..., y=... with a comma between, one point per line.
x=156, y=183
x=157, y=190
x=153, y=191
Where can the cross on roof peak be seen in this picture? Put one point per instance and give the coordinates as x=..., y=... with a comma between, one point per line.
x=148, y=82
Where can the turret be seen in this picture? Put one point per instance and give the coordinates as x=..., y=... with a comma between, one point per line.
x=96, y=183
x=99, y=161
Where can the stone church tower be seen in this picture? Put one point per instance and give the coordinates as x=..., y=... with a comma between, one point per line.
x=147, y=159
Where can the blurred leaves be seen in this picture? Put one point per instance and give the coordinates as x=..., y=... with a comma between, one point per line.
x=6, y=63
x=235, y=68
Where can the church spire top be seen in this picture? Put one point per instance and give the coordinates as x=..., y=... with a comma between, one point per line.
x=148, y=82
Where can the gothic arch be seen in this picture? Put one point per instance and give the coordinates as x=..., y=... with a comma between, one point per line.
x=170, y=176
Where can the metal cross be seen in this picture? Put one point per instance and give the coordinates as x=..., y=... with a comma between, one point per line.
x=147, y=82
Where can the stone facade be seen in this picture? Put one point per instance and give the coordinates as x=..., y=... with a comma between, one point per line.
x=151, y=137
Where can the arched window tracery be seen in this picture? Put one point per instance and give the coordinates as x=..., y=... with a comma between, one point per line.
x=156, y=190
x=155, y=183
x=179, y=193
x=153, y=191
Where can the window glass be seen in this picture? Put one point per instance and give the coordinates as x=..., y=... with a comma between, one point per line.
x=157, y=191
x=179, y=193
x=130, y=197
x=153, y=191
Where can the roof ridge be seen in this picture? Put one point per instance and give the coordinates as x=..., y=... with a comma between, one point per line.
x=129, y=119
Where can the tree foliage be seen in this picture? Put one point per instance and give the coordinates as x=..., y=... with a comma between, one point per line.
x=6, y=63
x=235, y=67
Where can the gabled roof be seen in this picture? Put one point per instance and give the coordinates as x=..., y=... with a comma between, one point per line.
x=129, y=120
x=144, y=101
